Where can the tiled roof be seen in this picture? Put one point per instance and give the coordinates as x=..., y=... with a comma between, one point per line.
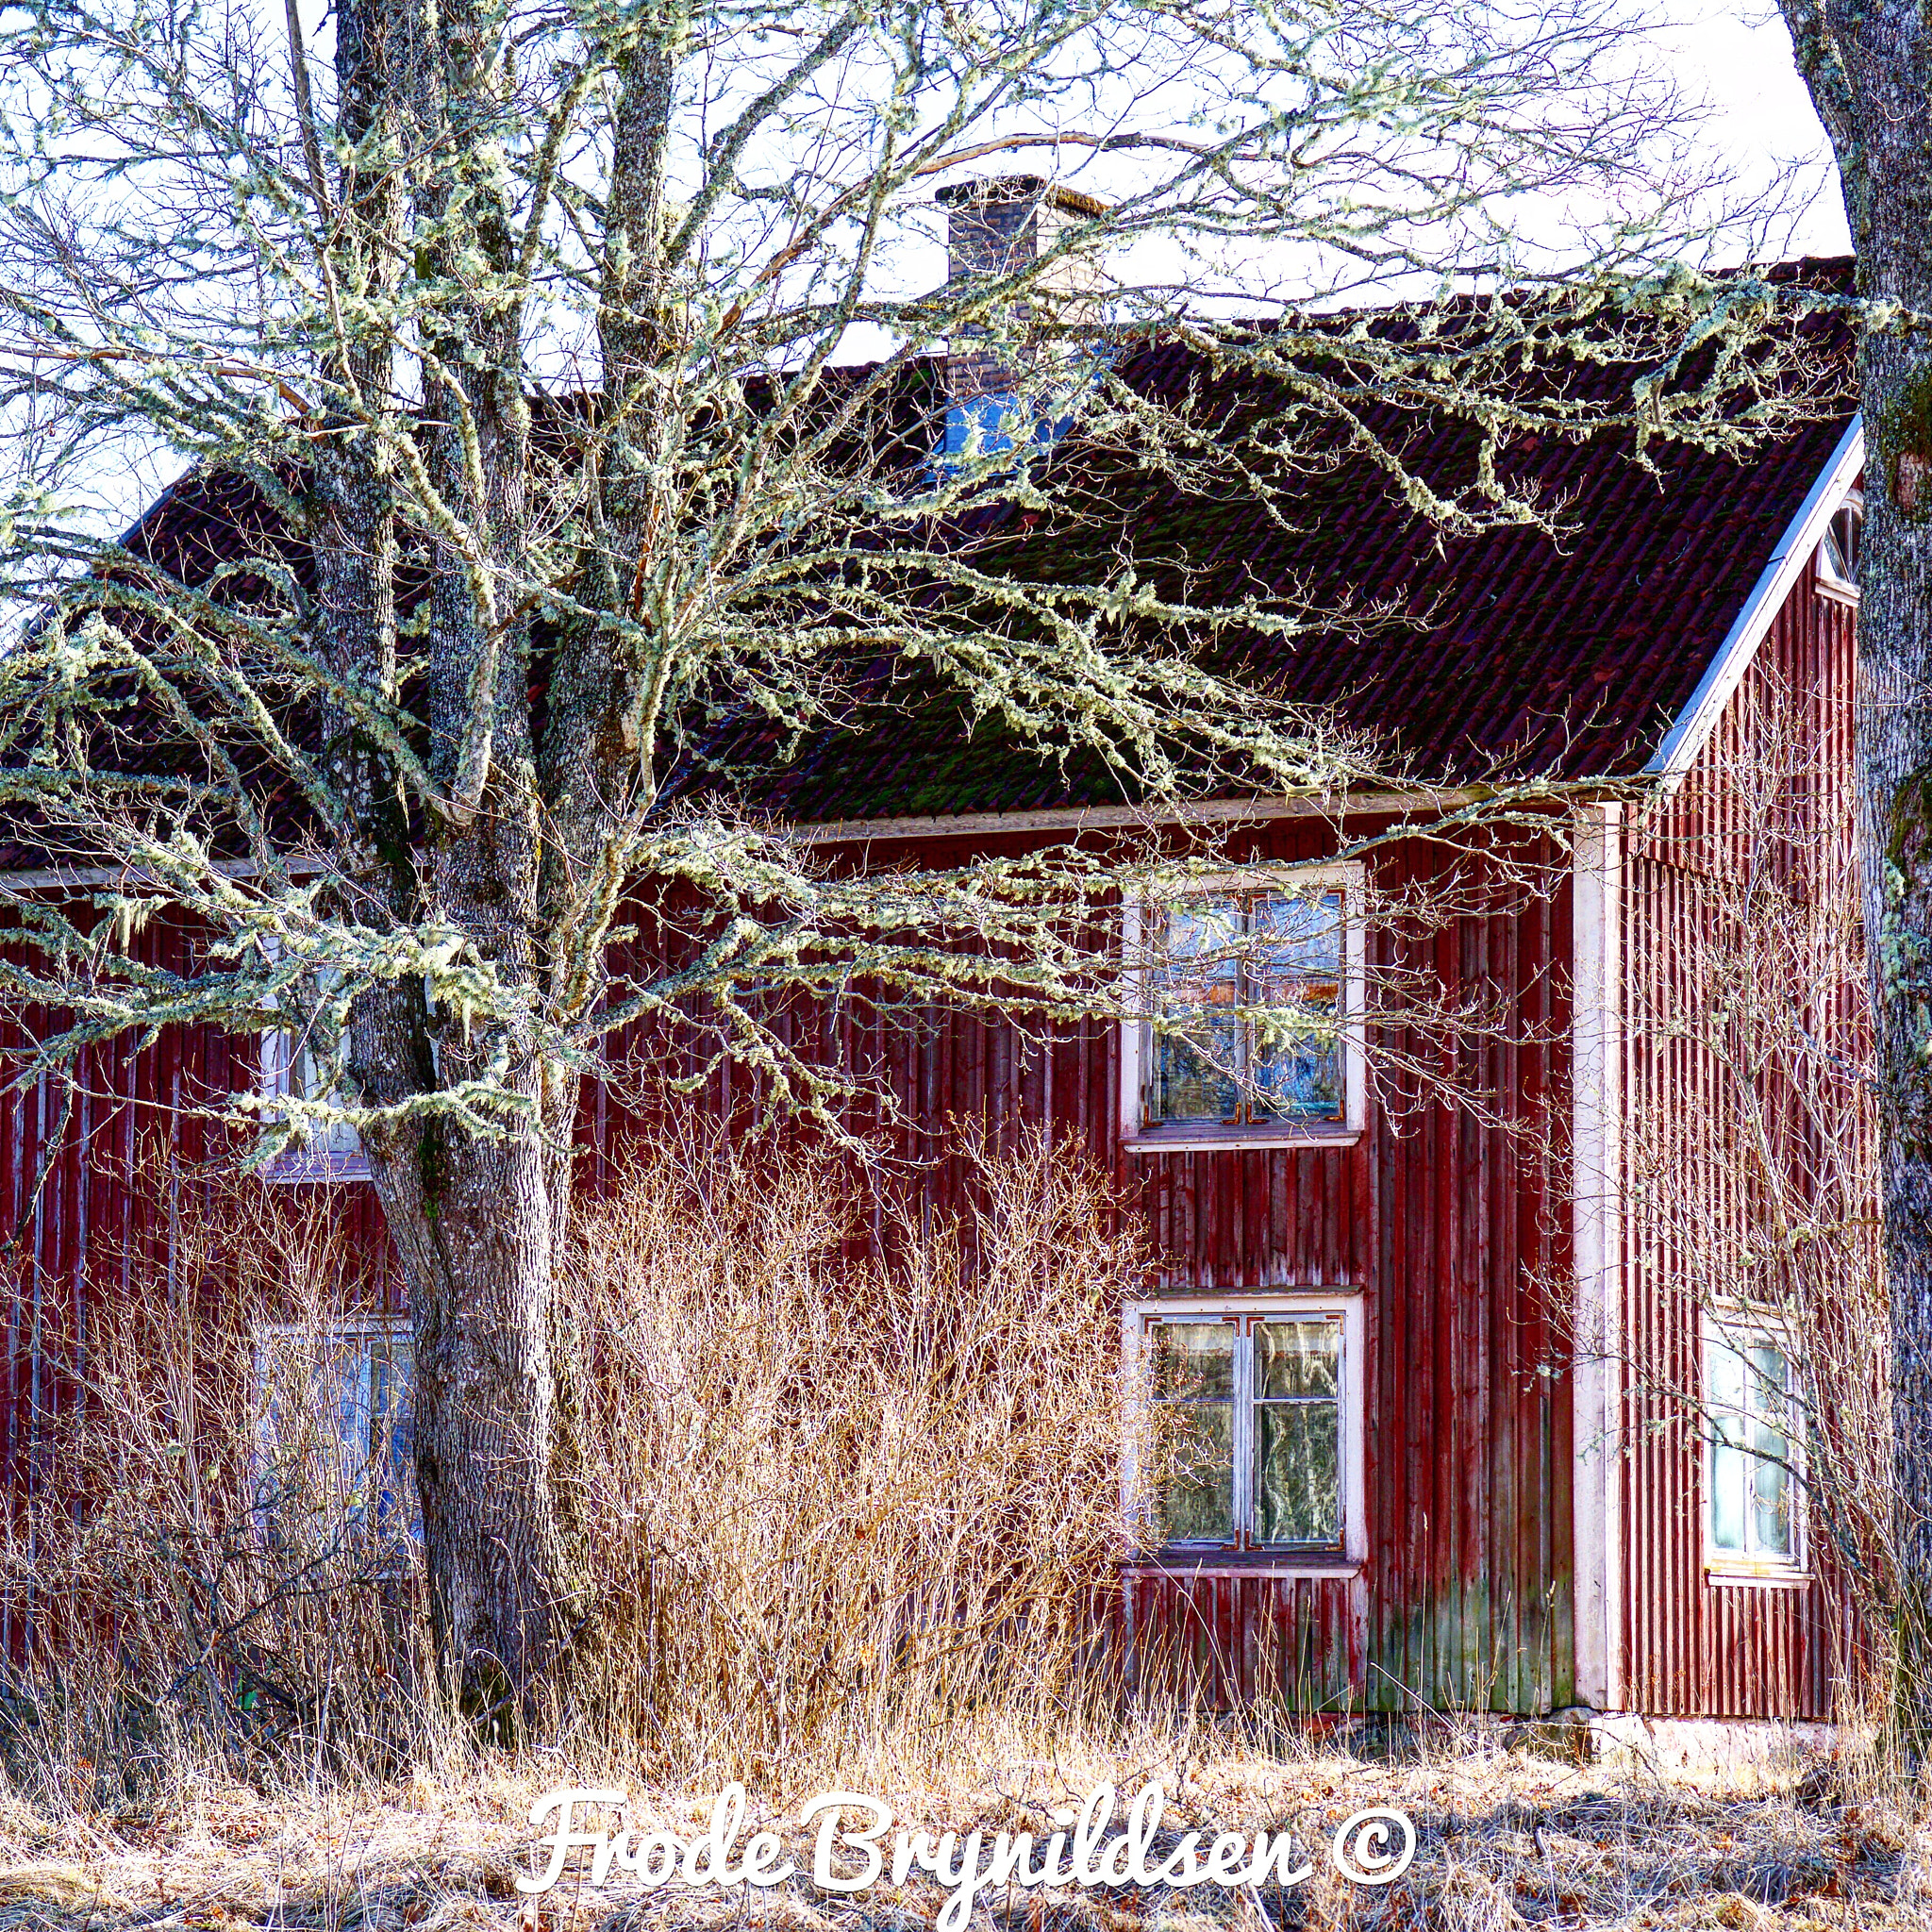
x=1568, y=659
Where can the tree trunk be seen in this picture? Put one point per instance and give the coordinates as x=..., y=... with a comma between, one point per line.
x=477, y=1224
x=1894, y=741
x=476, y=1212
x=1868, y=64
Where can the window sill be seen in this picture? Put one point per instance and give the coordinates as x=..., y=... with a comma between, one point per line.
x=1835, y=593
x=1208, y=1139
x=1732, y=1574
x=325, y=1169
x=1281, y=1563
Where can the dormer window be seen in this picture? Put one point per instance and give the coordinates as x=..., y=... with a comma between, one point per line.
x=1837, y=553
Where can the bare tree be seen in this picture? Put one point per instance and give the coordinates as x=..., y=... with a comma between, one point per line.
x=1869, y=69
x=510, y=352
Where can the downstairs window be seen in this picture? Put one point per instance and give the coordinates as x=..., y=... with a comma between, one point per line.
x=336, y=1455
x=1264, y=1451
x=1752, y=1438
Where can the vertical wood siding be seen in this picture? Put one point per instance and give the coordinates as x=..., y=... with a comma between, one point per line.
x=1692, y=1646
x=1449, y=1225
x=1453, y=1228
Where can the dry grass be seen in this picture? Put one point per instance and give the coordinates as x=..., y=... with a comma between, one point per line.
x=1507, y=1838
x=758, y=1400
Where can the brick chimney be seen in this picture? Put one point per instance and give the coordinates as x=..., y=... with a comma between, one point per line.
x=993, y=227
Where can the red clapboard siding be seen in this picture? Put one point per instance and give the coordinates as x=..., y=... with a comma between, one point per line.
x=1454, y=1226
x=1692, y=1646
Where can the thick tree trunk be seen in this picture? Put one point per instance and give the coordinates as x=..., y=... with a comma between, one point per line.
x=476, y=1216
x=1868, y=66
x=1894, y=737
x=477, y=1224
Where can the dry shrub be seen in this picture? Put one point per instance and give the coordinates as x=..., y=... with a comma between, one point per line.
x=839, y=1477
x=203, y=1566
x=833, y=1503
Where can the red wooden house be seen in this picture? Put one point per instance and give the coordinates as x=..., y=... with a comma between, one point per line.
x=1431, y=1483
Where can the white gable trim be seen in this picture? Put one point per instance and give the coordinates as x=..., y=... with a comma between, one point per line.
x=1698, y=719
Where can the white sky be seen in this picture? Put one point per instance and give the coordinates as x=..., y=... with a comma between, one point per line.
x=1739, y=57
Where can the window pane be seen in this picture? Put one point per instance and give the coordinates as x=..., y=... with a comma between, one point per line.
x=337, y=1444
x=1195, y=1073
x=1297, y=1358
x=1197, y=1499
x=1770, y=1502
x=1299, y=938
x=1752, y=1500
x=1770, y=1380
x=306, y=1082
x=1771, y=1498
x=1730, y=1474
x=392, y=1435
x=1193, y=1360
x=1296, y=1078
x=1297, y=1472
x=1193, y=1376
x=1298, y=967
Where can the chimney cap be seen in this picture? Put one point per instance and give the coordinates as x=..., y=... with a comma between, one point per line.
x=1001, y=189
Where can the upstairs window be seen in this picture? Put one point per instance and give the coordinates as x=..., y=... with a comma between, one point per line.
x=327, y=1150
x=1753, y=1440
x=292, y=1068
x=1251, y=991
x=1839, y=551
x=1265, y=1442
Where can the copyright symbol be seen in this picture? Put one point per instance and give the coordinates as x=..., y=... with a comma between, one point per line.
x=1363, y=1853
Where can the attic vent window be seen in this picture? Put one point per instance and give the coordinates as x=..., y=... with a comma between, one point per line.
x=1838, y=554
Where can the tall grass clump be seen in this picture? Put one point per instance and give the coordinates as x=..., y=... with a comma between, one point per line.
x=845, y=1498
x=843, y=1477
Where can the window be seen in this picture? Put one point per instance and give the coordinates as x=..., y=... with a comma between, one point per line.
x=1250, y=986
x=336, y=1466
x=1265, y=1453
x=1837, y=553
x=327, y=1151
x=1751, y=1441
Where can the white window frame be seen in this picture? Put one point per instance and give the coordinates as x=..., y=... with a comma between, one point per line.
x=1736, y=1328
x=1138, y=1136
x=1344, y=1556
x=1832, y=581
x=304, y=1161
x=351, y=1328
